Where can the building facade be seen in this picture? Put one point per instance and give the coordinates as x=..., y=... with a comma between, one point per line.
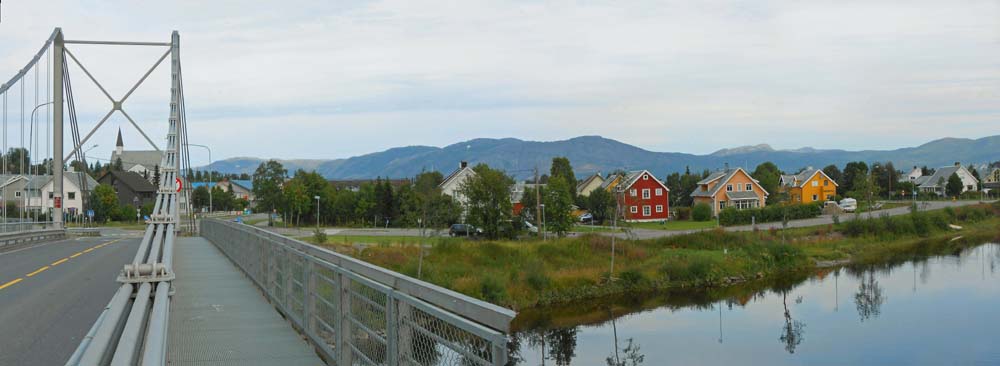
x=642, y=197
x=811, y=185
x=730, y=188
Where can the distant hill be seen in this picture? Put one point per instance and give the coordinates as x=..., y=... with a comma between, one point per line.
x=590, y=154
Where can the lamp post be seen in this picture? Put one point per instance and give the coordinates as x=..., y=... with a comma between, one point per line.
x=210, y=208
x=545, y=235
x=31, y=181
x=317, y=212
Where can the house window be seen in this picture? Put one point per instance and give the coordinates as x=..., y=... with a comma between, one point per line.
x=633, y=192
x=659, y=191
x=50, y=195
x=633, y=209
x=815, y=198
x=815, y=183
x=645, y=177
x=645, y=193
x=749, y=187
x=72, y=195
x=826, y=182
x=17, y=194
x=829, y=197
x=659, y=208
x=645, y=211
x=729, y=188
x=722, y=205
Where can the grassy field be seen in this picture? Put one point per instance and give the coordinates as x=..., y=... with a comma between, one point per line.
x=675, y=225
x=532, y=273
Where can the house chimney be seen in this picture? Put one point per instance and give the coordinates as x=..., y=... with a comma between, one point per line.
x=463, y=165
x=958, y=163
x=727, y=167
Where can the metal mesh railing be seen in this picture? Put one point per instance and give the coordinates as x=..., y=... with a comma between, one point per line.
x=359, y=314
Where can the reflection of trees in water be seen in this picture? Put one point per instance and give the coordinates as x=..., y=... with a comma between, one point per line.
x=514, y=356
x=869, y=297
x=793, y=330
x=558, y=345
x=630, y=355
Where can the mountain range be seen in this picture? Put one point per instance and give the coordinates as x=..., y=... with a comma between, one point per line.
x=591, y=154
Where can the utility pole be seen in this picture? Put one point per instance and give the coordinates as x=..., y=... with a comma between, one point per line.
x=538, y=201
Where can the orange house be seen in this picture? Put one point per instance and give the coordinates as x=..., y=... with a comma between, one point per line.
x=730, y=188
x=811, y=185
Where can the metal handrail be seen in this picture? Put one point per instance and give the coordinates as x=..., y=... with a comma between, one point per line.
x=382, y=317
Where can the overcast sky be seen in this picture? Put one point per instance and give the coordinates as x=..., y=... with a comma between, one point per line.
x=330, y=79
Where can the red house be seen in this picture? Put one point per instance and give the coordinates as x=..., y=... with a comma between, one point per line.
x=642, y=196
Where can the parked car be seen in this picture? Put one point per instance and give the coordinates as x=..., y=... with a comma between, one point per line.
x=586, y=217
x=530, y=227
x=849, y=204
x=464, y=230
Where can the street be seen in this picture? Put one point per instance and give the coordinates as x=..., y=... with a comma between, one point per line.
x=51, y=294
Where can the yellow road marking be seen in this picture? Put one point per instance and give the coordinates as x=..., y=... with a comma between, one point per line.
x=38, y=271
x=8, y=284
x=77, y=254
x=58, y=262
x=88, y=250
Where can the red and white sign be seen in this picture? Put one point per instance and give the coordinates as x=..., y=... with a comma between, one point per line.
x=57, y=202
x=179, y=184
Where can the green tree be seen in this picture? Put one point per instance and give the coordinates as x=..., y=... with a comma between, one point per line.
x=851, y=172
x=865, y=188
x=562, y=168
x=701, y=212
x=104, y=202
x=954, y=186
x=558, y=206
x=529, y=200
x=975, y=174
x=267, y=182
x=488, y=200
x=602, y=204
x=768, y=175
x=200, y=197
x=834, y=173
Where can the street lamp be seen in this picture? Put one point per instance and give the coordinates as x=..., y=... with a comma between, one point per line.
x=210, y=208
x=317, y=213
x=545, y=234
x=31, y=181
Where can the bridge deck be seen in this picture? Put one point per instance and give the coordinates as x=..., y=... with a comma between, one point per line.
x=218, y=316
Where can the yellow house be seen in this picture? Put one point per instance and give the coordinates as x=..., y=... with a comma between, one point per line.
x=811, y=185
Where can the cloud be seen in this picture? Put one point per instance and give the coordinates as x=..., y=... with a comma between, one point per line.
x=317, y=79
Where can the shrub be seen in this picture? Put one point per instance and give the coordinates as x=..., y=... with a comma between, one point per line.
x=535, y=276
x=701, y=212
x=631, y=278
x=491, y=290
x=732, y=216
x=319, y=236
x=682, y=213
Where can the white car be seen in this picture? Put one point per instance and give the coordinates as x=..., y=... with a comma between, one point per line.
x=849, y=204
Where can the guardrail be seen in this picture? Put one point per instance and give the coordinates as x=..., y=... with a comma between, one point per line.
x=358, y=313
x=18, y=237
x=11, y=227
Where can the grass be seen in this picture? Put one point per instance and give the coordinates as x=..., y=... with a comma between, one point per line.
x=114, y=224
x=533, y=273
x=675, y=225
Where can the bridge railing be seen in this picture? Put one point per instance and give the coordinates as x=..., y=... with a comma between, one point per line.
x=358, y=313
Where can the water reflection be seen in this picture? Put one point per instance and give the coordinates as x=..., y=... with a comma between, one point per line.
x=869, y=297
x=686, y=326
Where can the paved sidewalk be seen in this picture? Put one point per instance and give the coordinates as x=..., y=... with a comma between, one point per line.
x=219, y=317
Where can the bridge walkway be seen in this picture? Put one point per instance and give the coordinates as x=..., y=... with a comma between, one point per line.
x=218, y=316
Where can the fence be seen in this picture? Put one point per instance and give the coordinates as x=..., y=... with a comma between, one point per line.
x=359, y=314
x=18, y=226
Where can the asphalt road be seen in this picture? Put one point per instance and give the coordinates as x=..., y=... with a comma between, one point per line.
x=51, y=294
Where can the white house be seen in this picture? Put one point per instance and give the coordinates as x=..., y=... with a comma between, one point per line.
x=452, y=184
x=937, y=182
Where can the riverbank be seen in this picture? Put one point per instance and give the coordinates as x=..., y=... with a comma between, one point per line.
x=522, y=275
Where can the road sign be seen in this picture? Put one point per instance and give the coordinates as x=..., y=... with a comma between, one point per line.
x=57, y=202
x=179, y=184
x=90, y=213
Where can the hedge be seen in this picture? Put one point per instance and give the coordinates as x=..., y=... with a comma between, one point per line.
x=733, y=216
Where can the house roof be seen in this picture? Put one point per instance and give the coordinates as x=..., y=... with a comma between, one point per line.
x=940, y=174
x=609, y=181
x=633, y=176
x=146, y=158
x=725, y=176
x=581, y=184
x=245, y=183
x=209, y=185
x=741, y=195
x=39, y=181
x=132, y=180
x=454, y=175
x=803, y=177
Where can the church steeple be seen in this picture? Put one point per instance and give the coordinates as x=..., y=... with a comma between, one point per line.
x=119, y=146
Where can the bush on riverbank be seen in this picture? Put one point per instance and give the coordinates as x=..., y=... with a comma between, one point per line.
x=920, y=223
x=732, y=216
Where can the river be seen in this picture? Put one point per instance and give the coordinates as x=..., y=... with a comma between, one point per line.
x=941, y=310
